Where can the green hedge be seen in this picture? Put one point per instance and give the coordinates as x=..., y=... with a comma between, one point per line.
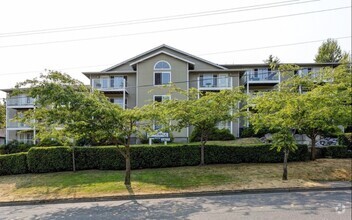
x=103, y=158
x=49, y=159
x=337, y=152
x=109, y=158
x=250, y=154
x=52, y=159
x=13, y=164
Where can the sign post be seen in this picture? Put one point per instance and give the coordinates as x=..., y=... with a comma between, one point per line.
x=162, y=136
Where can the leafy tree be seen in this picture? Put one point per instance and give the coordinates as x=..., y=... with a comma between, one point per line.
x=313, y=104
x=330, y=52
x=68, y=110
x=284, y=141
x=273, y=62
x=276, y=111
x=202, y=111
x=2, y=115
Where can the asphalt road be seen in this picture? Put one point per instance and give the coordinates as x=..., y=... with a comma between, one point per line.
x=294, y=205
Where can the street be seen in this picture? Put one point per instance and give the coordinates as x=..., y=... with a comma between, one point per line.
x=291, y=205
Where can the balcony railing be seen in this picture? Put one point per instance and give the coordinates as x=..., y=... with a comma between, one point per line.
x=20, y=101
x=17, y=125
x=25, y=141
x=109, y=84
x=261, y=77
x=214, y=83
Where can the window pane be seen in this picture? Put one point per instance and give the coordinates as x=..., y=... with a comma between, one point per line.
x=165, y=78
x=166, y=97
x=158, y=98
x=162, y=65
x=157, y=79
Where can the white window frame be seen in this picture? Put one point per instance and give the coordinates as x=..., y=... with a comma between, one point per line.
x=162, y=68
x=162, y=99
x=162, y=71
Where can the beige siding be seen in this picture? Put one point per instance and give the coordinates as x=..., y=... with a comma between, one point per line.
x=147, y=90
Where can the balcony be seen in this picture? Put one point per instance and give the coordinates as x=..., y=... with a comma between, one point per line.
x=18, y=125
x=261, y=77
x=214, y=83
x=109, y=84
x=24, y=102
x=25, y=141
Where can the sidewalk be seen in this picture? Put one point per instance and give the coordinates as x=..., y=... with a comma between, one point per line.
x=330, y=186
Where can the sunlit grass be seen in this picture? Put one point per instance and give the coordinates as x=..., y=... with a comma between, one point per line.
x=180, y=179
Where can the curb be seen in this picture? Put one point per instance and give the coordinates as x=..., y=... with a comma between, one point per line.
x=174, y=195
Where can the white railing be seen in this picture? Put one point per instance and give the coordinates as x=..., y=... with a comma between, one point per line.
x=25, y=141
x=109, y=84
x=20, y=101
x=261, y=77
x=17, y=125
x=214, y=83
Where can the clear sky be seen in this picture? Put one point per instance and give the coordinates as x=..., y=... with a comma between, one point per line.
x=233, y=25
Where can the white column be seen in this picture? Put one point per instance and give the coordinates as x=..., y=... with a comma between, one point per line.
x=198, y=85
x=6, y=121
x=124, y=94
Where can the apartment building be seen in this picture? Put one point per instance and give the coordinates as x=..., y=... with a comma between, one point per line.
x=16, y=106
x=138, y=81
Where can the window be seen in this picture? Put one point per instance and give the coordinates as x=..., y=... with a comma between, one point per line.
x=162, y=78
x=118, y=81
x=118, y=101
x=162, y=65
x=162, y=74
x=161, y=98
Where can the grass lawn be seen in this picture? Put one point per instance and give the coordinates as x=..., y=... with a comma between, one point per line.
x=167, y=180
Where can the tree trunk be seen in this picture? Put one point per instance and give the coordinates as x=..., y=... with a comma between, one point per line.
x=313, y=149
x=73, y=159
x=284, y=175
x=128, y=166
x=202, y=153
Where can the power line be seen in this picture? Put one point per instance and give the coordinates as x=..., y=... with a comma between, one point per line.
x=278, y=45
x=157, y=19
x=223, y=52
x=177, y=29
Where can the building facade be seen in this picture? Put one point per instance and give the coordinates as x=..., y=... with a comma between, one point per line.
x=138, y=81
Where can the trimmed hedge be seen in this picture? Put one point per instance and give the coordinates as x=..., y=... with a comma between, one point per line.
x=52, y=159
x=337, y=152
x=49, y=159
x=13, y=164
x=103, y=158
x=109, y=158
x=251, y=154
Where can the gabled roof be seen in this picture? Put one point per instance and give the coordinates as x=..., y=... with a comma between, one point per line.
x=140, y=57
x=161, y=52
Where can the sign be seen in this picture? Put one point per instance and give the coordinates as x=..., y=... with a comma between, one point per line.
x=165, y=139
x=160, y=135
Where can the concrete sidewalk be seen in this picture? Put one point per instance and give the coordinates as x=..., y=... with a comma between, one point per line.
x=326, y=186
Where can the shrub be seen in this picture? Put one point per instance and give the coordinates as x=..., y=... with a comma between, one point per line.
x=103, y=158
x=337, y=152
x=249, y=132
x=13, y=164
x=109, y=158
x=164, y=156
x=15, y=147
x=49, y=142
x=215, y=135
x=250, y=154
x=49, y=159
x=346, y=139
